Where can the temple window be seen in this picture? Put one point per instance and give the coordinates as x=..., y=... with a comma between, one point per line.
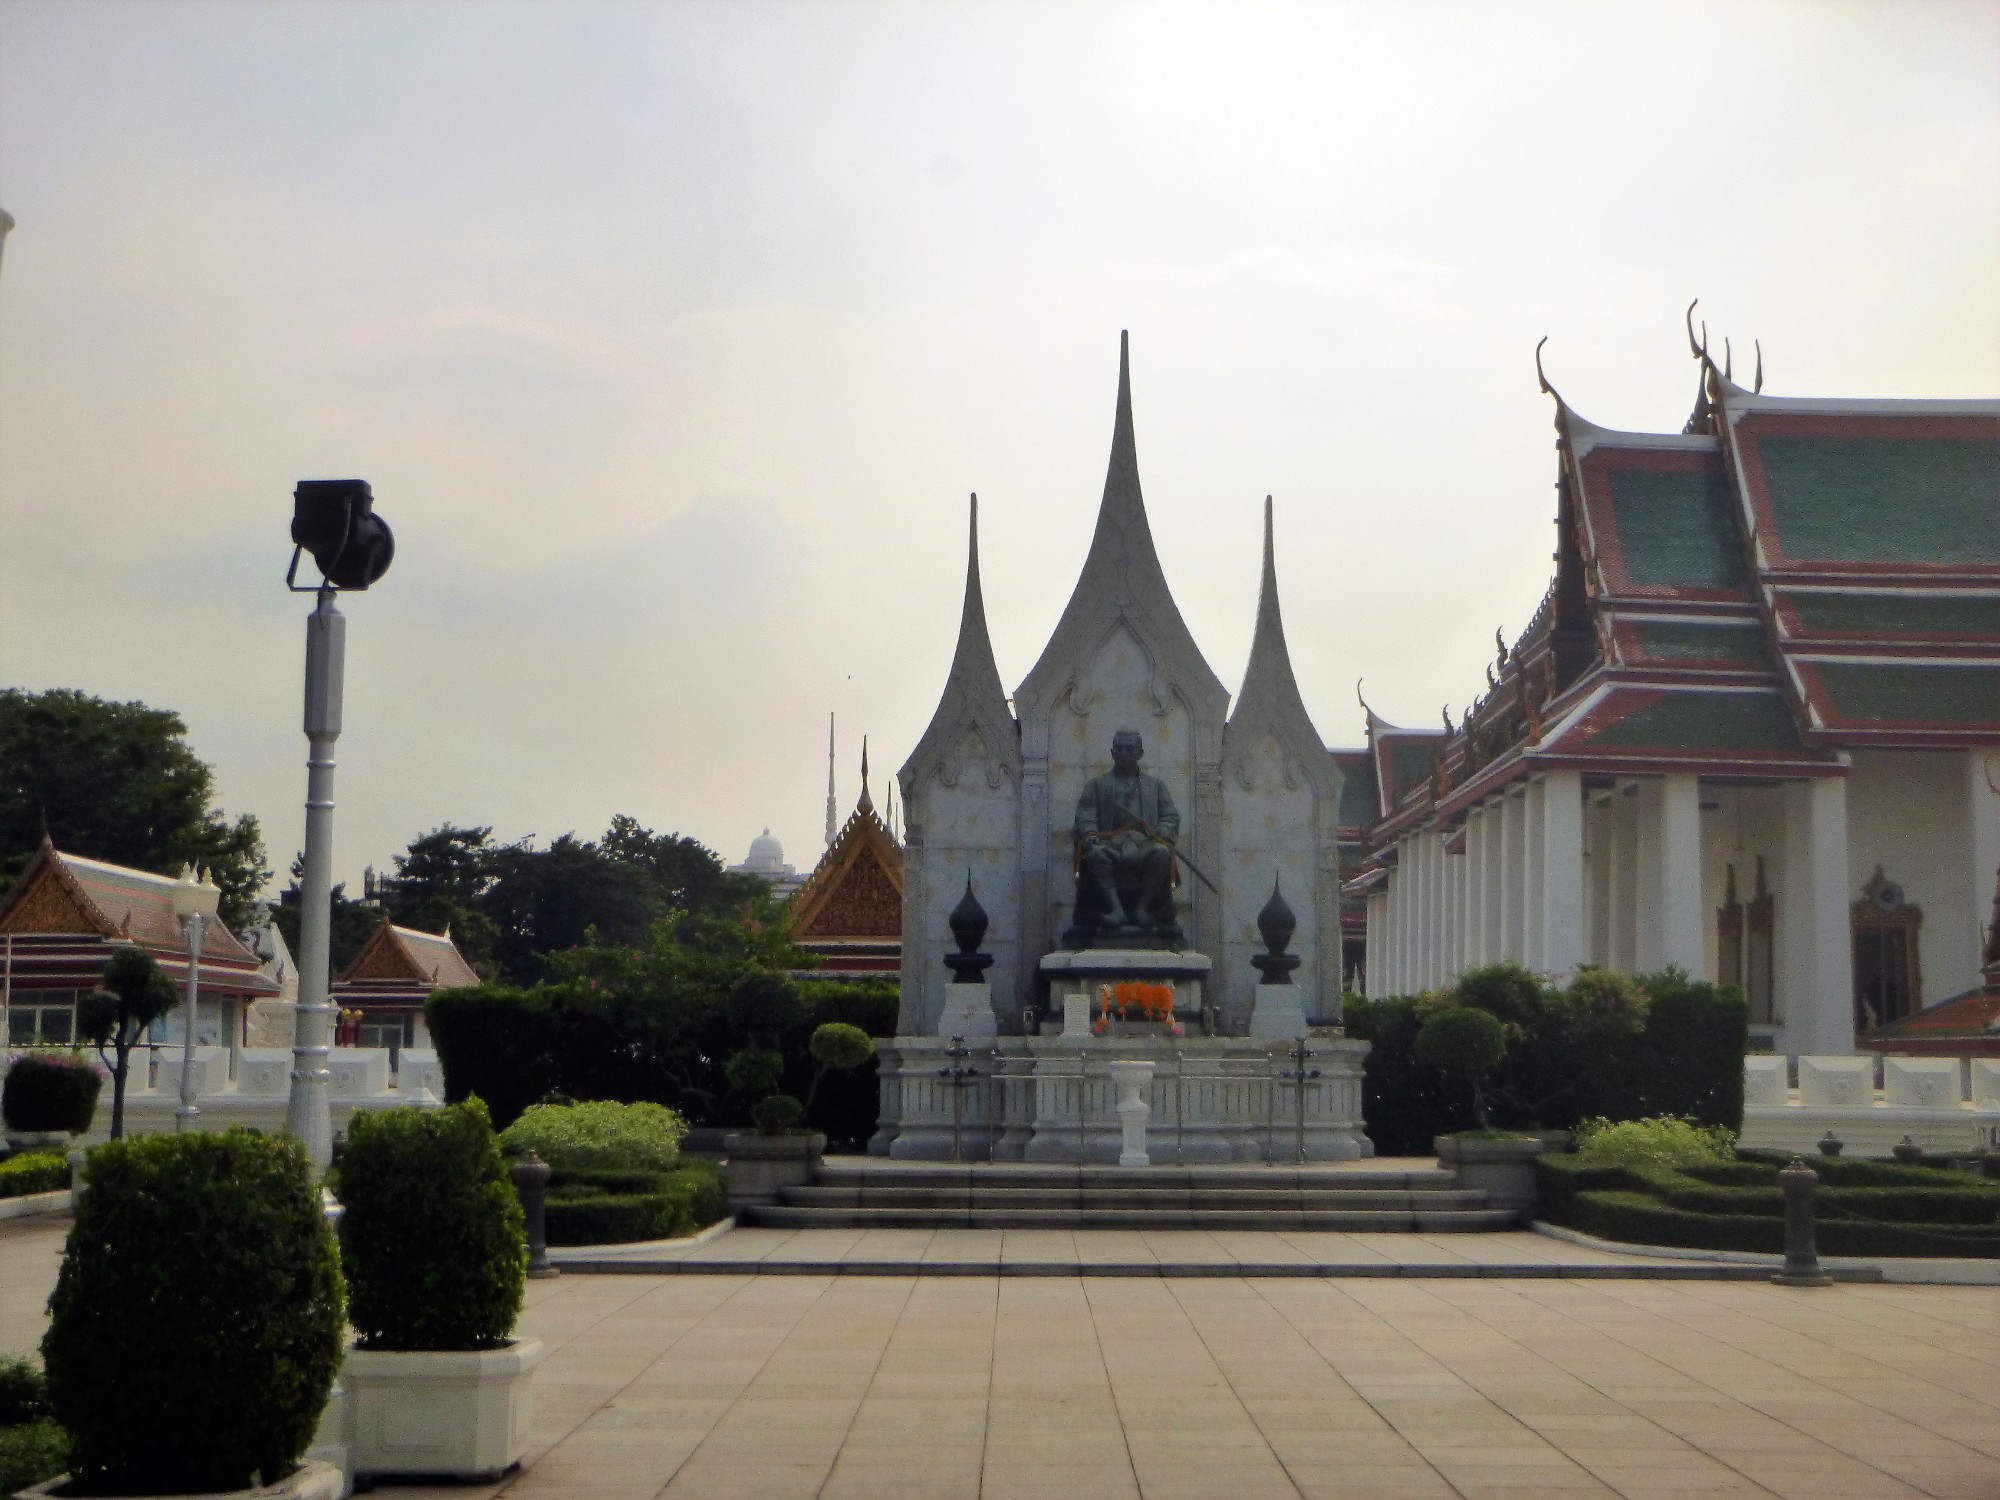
x=1888, y=971
x=1744, y=933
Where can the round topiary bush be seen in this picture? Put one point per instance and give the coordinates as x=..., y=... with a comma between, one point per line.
x=763, y=1005
x=196, y=1322
x=777, y=1114
x=1465, y=1040
x=599, y=1136
x=432, y=1239
x=50, y=1091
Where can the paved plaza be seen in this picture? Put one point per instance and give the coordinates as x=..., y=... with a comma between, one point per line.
x=875, y=1387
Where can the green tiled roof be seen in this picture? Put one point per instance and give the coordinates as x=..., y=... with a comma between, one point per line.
x=1687, y=641
x=1884, y=499
x=1357, y=797
x=1410, y=760
x=1675, y=529
x=1705, y=721
x=1901, y=691
x=1890, y=614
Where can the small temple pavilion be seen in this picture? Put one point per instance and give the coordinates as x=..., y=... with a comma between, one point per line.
x=1752, y=730
x=66, y=915
x=849, y=911
x=380, y=995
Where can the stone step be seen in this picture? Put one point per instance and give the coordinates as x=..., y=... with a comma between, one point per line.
x=1280, y=1199
x=833, y=1172
x=1433, y=1221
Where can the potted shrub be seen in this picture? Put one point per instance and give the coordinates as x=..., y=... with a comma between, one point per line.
x=195, y=1327
x=1466, y=1041
x=436, y=1260
x=47, y=1098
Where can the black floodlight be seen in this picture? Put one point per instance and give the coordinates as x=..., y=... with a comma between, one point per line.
x=335, y=520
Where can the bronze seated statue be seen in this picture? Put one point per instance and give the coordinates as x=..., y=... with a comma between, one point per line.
x=1126, y=824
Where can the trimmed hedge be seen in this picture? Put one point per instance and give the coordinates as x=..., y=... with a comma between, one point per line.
x=45, y=1092
x=33, y=1172
x=609, y=1208
x=196, y=1321
x=1665, y=1206
x=561, y=1042
x=1567, y=1057
x=433, y=1239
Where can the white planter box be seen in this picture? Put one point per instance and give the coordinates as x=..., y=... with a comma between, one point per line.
x=357, y=1072
x=1846, y=1082
x=264, y=1073
x=1924, y=1082
x=1764, y=1079
x=419, y=1070
x=467, y=1415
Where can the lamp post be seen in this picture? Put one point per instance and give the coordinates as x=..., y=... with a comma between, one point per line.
x=335, y=520
x=194, y=903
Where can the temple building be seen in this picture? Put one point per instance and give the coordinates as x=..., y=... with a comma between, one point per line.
x=66, y=915
x=850, y=909
x=380, y=995
x=766, y=860
x=1752, y=730
x=991, y=794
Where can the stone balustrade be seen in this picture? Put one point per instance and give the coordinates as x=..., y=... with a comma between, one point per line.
x=1869, y=1102
x=1053, y=1098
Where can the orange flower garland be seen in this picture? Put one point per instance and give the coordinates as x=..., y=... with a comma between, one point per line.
x=1153, y=1002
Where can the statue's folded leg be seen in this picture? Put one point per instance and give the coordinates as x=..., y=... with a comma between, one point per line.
x=1100, y=868
x=1156, y=873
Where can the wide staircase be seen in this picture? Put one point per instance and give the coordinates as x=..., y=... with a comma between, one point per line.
x=870, y=1193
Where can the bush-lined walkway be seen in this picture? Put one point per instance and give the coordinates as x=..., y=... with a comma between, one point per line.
x=881, y=1386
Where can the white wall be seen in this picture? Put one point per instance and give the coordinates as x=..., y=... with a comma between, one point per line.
x=1906, y=811
x=1269, y=828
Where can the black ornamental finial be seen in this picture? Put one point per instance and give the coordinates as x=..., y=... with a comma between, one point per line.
x=968, y=922
x=1277, y=923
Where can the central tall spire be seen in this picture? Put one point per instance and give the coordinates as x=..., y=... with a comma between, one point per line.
x=1123, y=541
x=1121, y=576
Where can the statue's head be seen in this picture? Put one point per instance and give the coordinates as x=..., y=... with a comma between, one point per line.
x=1126, y=748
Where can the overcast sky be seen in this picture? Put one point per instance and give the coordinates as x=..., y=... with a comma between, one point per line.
x=672, y=338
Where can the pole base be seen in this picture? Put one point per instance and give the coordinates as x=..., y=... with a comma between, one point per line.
x=1816, y=1278
x=543, y=1273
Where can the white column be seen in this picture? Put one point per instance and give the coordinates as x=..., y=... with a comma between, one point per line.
x=1513, y=879
x=1982, y=825
x=1377, y=951
x=1623, y=826
x=1819, y=1013
x=1413, y=851
x=1562, y=873
x=1427, y=914
x=1399, y=903
x=1597, y=891
x=1648, y=951
x=1475, y=885
x=1440, y=926
x=1493, y=896
x=1682, y=908
x=1454, y=872
x=1392, y=950
x=1535, y=877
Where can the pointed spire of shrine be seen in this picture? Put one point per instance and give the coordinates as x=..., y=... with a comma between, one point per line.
x=973, y=693
x=832, y=805
x=1123, y=542
x=867, y=803
x=1268, y=681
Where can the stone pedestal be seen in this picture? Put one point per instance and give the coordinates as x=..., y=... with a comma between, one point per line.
x=1278, y=1012
x=1132, y=1080
x=1078, y=974
x=968, y=1012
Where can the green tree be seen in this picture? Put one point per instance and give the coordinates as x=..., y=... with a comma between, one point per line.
x=352, y=921
x=440, y=883
x=1465, y=1040
x=135, y=994
x=118, y=782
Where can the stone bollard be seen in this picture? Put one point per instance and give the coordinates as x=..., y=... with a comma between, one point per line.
x=1132, y=1079
x=1831, y=1144
x=531, y=1181
x=1801, y=1254
x=79, y=1182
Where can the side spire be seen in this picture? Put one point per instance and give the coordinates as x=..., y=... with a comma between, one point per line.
x=973, y=696
x=867, y=803
x=832, y=805
x=1268, y=683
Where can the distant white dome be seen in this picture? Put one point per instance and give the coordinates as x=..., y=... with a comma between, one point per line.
x=766, y=853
